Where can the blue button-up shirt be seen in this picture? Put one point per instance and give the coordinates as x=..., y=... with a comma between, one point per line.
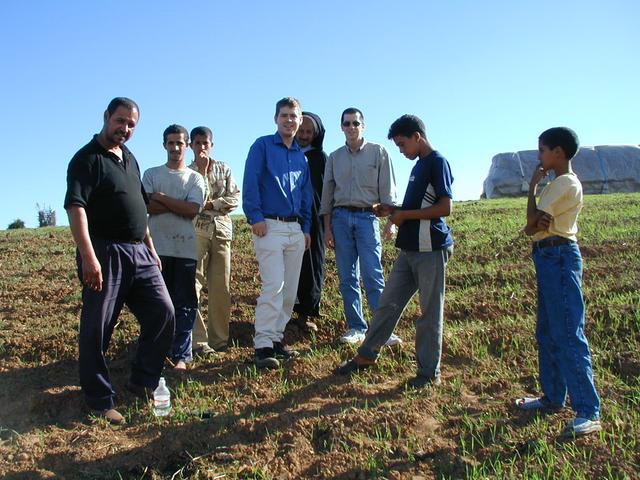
x=276, y=182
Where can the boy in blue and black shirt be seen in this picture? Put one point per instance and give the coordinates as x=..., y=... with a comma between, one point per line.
x=425, y=244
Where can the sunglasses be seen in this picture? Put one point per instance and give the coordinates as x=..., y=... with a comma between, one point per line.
x=355, y=123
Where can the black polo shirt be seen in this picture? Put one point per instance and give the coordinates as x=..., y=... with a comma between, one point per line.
x=110, y=191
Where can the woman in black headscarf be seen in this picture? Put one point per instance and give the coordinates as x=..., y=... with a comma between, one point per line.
x=310, y=137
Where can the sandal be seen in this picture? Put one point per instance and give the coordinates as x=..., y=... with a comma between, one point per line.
x=180, y=366
x=533, y=403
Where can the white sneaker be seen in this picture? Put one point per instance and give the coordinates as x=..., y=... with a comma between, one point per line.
x=353, y=336
x=581, y=426
x=393, y=340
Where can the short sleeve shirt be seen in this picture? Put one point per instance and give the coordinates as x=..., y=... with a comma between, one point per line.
x=430, y=180
x=110, y=191
x=562, y=199
x=174, y=235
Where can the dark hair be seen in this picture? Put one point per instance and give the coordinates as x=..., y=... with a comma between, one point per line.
x=406, y=126
x=562, y=137
x=175, y=129
x=288, y=102
x=122, y=102
x=351, y=111
x=203, y=131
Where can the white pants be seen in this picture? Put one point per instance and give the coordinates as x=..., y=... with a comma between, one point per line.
x=279, y=255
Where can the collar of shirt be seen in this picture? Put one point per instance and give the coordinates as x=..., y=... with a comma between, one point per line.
x=364, y=142
x=125, y=152
x=194, y=166
x=278, y=139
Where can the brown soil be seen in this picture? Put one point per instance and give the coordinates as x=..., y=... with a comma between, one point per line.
x=300, y=421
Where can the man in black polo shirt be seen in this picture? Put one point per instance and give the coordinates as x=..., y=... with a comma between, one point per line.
x=117, y=262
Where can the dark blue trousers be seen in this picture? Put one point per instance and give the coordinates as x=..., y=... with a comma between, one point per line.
x=130, y=276
x=180, y=277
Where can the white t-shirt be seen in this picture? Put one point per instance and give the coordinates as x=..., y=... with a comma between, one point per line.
x=174, y=235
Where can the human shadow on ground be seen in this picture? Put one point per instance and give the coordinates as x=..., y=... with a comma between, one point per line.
x=174, y=446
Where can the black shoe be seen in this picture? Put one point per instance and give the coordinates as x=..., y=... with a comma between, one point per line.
x=284, y=353
x=356, y=364
x=265, y=358
x=419, y=381
x=139, y=390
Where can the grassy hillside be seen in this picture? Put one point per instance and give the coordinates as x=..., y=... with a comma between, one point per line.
x=301, y=421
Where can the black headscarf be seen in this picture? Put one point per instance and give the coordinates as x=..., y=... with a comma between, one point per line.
x=317, y=141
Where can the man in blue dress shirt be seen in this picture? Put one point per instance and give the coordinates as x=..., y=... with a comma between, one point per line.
x=276, y=199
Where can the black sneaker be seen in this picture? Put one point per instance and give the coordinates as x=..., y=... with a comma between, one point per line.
x=139, y=390
x=265, y=358
x=356, y=364
x=284, y=353
x=419, y=381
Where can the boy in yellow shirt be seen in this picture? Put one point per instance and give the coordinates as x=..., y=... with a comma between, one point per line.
x=564, y=359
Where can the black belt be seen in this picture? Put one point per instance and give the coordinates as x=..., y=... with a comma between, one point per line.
x=283, y=219
x=551, y=242
x=133, y=242
x=357, y=209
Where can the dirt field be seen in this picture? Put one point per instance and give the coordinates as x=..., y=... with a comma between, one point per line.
x=302, y=421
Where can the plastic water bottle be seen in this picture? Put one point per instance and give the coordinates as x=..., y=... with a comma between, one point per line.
x=161, y=399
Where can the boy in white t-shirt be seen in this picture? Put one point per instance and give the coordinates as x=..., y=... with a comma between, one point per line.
x=176, y=195
x=563, y=351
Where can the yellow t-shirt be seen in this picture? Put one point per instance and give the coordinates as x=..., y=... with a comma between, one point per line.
x=562, y=199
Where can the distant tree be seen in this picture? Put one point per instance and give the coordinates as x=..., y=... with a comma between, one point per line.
x=46, y=216
x=17, y=223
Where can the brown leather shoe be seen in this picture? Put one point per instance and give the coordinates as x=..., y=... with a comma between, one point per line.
x=112, y=416
x=139, y=390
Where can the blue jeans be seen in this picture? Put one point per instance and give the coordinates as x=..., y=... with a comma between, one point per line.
x=180, y=276
x=358, y=249
x=563, y=351
x=424, y=272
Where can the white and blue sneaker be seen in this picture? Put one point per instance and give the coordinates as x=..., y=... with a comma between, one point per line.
x=393, y=340
x=353, y=336
x=580, y=426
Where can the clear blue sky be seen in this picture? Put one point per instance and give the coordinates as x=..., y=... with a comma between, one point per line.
x=486, y=77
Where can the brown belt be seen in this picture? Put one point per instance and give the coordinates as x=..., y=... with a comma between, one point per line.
x=551, y=242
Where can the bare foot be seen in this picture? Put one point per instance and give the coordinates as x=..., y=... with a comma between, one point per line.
x=180, y=365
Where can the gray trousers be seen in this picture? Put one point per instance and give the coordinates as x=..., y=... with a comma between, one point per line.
x=413, y=271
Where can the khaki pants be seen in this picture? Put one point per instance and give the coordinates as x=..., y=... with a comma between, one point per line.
x=279, y=255
x=214, y=267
